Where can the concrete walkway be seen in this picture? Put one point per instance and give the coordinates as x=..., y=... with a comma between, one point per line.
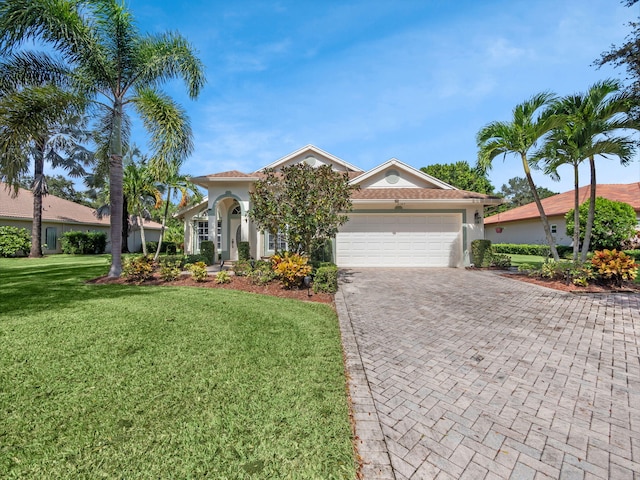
x=458, y=374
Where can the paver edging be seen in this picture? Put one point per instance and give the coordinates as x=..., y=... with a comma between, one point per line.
x=369, y=442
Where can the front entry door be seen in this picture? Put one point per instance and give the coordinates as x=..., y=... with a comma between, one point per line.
x=236, y=236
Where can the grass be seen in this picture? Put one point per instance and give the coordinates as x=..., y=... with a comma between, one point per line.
x=164, y=382
x=517, y=260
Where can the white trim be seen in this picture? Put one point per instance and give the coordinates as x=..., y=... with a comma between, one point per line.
x=394, y=162
x=312, y=148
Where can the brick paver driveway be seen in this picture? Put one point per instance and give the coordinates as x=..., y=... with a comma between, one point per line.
x=465, y=374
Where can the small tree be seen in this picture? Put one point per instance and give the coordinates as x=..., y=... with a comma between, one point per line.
x=461, y=176
x=614, y=223
x=306, y=204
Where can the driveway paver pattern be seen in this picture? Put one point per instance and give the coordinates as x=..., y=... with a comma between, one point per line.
x=464, y=374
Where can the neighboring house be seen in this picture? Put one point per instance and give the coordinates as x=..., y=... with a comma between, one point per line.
x=401, y=216
x=523, y=225
x=60, y=216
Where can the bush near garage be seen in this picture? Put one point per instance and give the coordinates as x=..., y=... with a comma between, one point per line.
x=14, y=241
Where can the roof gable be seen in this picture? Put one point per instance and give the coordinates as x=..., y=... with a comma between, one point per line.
x=395, y=174
x=559, y=205
x=314, y=156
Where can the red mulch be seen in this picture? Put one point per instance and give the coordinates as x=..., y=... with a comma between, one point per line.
x=627, y=287
x=275, y=289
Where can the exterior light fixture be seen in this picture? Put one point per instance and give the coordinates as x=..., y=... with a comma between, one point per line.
x=477, y=217
x=307, y=284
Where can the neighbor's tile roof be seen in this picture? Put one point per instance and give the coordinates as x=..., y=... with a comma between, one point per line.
x=230, y=174
x=54, y=209
x=560, y=204
x=417, y=193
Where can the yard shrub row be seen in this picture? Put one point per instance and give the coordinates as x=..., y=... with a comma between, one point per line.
x=84, y=243
x=170, y=248
x=530, y=249
x=14, y=241
x=326, y=279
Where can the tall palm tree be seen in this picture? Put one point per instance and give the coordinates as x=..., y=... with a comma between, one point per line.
x=117, y=67
x=180, y=186
x=142, y=193
x=593, y=126
x=530, y=124
x=39, y=120
x=583, y=137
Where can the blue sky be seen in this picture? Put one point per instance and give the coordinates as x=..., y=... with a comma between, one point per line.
x=371, y=80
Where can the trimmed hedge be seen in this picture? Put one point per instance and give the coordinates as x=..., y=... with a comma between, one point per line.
x=529, y=249
x=326, y=279
x=14, y=241
x=170, y=248
x=84, y=243
x=244, y=251
x=208, y=251
x=635, y=254
x=480, y=248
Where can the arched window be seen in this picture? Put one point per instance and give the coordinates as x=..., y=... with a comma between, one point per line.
x=236, y=210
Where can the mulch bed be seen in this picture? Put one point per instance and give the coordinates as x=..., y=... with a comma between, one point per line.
x=275, y=289
x=627, y=287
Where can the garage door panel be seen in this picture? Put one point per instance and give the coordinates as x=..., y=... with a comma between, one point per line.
x=432, y=240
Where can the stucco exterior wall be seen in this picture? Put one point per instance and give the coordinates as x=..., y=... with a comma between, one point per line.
x=528, y=231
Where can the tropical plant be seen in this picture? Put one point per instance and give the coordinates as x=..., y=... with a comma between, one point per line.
x=223, y=277
x=142, y=193
x=291, y=268
x=176, y=185
x=117, y=67
x=530, y=124
x=40, y=119
x=138, y=268
x=614, y=222
x=198, y=271
x=592, y=125
x=613, y=266
x=305, y=203
x=170, y=271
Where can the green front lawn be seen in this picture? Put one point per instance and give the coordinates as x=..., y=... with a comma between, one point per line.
x=517, y=259
x=164, y=382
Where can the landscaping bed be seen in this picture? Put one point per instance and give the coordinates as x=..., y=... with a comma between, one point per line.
x=274, y=289
x=627, y=287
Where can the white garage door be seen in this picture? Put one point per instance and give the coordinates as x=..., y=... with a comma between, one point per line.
x=400, y=240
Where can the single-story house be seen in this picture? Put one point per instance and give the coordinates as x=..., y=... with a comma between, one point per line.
x=60, y=216
x=401, y=216
x=523, y=225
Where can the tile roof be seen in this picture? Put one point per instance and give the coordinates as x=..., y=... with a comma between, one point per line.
x=563, y=202
x=230, y=174
x=54, y=209
x=417, y=194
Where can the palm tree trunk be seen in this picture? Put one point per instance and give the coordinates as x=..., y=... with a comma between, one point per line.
x=142, y=239
x=125, y=225
x=115, y=191
x=164, y=222
x=592, y=210
x=543, y=217
x=36, y=227
x=576, y=214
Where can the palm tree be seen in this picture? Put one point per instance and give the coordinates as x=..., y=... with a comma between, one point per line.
x=142, y=193
x=117, y=67
x=39, y=120
x=592, y=122
x=530, y=124
x=177, y=185
x=582, y=136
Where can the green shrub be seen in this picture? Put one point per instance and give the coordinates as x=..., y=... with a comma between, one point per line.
x=262, y=274
x=223, y=277
x=555, y=270
x=527, y=267
x=84, y=243
x=582, y=274
x=170, y=271
x=326, y=280
x=479, y=248
x=244, y=251
x=194, y=258
x=635, y=254
x=322, y=253
x=291, y=268
x=242, y=268
x=499, y=260
x=169, y=248
x=208, y=251
x=613, y=266
x=198, y=271
x=14, y=241
x=138, y=268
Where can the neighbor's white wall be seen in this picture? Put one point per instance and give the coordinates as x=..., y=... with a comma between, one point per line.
x=528, y=231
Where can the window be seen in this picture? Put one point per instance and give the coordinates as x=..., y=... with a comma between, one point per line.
x=236, y=210
x=51, y=236
x=203, y=232
x=219, y=236
x=554, y=229
x=273, y=240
